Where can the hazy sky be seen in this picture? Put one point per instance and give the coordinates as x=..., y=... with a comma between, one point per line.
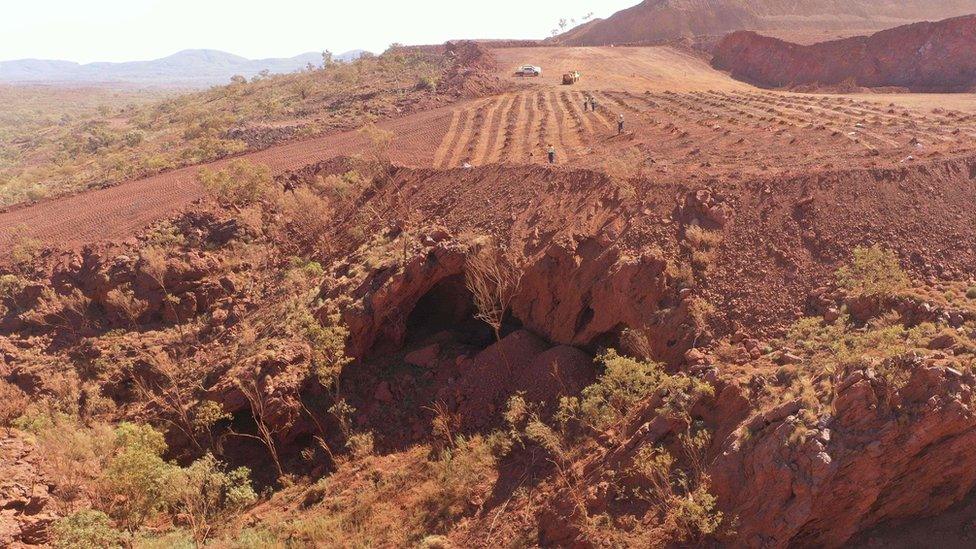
x=124, y=30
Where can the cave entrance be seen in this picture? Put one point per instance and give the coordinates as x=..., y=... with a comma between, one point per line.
x=447, y=307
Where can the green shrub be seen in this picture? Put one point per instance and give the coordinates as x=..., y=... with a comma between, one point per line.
x=624, y=382
x=87, y=529
x=134, y=480
x=240, y=183
x=427, y=83
x=205, y=494
x=695, y=516
x=873, y=273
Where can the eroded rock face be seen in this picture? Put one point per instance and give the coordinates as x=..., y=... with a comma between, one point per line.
x=91, y=289
x=26, y=507
x=580, y=292
x=887, y=453
x=375, y=307
x=921, y=57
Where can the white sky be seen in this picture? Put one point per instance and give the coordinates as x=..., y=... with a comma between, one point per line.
x=126, y=30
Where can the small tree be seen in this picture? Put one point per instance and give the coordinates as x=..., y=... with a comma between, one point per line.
x=267, y=431
x=171, y=390
x=205, y=494
x=132, y=487
x=494, y=280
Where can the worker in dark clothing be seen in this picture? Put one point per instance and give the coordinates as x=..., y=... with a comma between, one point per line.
x=593, y=104
x=552, y=154
x=620, y=124
x=586, y=103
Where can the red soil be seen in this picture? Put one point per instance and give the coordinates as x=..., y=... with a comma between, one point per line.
x=712, y=128
x=926, y=57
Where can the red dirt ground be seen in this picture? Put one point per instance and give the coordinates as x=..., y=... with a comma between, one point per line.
x=684, y=122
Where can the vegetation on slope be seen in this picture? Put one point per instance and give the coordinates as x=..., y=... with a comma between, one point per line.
x=47, y=149
x=203, y=351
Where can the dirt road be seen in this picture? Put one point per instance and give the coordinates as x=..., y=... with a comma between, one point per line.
x=684, y=120
x=120, y=211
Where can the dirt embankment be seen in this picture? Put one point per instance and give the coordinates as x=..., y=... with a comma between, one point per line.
x=596, y=256
x=923, y=57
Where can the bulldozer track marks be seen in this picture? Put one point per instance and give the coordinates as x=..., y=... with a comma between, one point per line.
x=686, y=129
x=518, y=128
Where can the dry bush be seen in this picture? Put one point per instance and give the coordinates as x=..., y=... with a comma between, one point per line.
x=170, y=392
x=13, y=404
x=73, y=458
x=445, y=425
x=378, y=142
x=703, y=245
x=494, y=279
x=701, y=312
x=702, y=239
x=240, y=183
x=341, y=188
x=310, y=215
x=69, y=312
x=24, y=249
x=399, y=500
x=124, y=301
x=10, y=287
x=268, y=431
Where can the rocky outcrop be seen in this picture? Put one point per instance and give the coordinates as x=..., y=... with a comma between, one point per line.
x=97, y=290
x=887, y=452
x=579, y=291
x=925, y=57
x=26, y=507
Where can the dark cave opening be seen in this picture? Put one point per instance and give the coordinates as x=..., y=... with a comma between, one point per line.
x=447, y=307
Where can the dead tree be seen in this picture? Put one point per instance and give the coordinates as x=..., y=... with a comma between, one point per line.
x=494, y=280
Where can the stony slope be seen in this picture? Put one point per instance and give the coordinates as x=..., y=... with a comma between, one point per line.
x=662, y=20
x=921, y=57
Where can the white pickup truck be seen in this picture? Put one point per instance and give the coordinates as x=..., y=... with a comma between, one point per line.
x=528, y=70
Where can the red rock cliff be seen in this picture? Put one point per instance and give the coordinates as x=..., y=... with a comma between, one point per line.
x=920, y=57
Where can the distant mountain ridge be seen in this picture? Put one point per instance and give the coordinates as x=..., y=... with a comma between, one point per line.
x=662, y=20
x=185, y=68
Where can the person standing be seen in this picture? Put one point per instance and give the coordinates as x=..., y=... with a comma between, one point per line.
x=552, y=154
x=620, y=124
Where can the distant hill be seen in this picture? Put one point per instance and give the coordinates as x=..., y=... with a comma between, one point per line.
x=662, y=20
x=925, y=57
x=185, y=68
